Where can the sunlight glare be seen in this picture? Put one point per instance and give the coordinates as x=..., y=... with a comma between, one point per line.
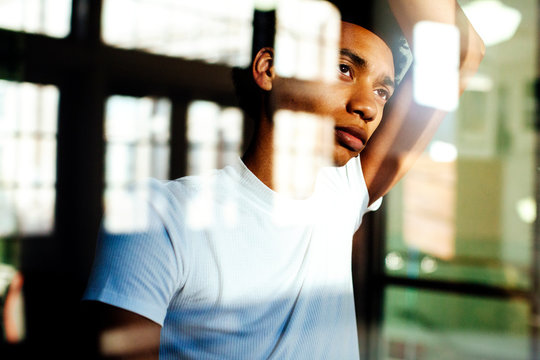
x=436, y=65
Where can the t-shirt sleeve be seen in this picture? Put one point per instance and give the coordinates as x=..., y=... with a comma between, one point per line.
x=137, y=270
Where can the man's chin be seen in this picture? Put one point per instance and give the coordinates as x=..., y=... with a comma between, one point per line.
x=342, y=156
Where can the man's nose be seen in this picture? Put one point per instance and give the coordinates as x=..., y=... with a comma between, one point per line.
x=362, y=103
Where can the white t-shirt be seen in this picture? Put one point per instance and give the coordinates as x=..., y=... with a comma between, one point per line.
x=233, y=270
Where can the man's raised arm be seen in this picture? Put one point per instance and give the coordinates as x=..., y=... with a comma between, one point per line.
x=407, y=127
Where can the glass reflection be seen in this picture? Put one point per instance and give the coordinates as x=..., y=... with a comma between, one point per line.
x=47, y=17
x=307, y=48
x=480, y=208
x=214, y=135
x=209, y=30
x=28, y=126
x=137, y=148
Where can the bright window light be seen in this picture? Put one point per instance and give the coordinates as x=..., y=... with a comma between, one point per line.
x=436, y=65
x=47, y=17
x=494, y=21
x=307, y=40
x=216, y=31
x=394, y=261
x=526, y=209
x=303, y=144
x=480, y=82
x=28, y=127
x=265, y=5
x=214, y=135
x=202, y=136
x=137, y=148
x=428, y=264
x=307, y=48
x=441, y=151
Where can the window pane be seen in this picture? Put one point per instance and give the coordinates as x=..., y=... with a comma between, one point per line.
x=28, y=114
x=210, y=30
x=466, y=209
x=214, y=136
x=47, y=17
x=137, y=148
x=425, y=325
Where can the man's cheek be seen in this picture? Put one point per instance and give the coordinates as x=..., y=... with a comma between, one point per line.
x=304, y=96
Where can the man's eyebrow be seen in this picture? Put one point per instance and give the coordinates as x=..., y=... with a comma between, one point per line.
x=357, y=60
x=389, y=82
x=361, y=63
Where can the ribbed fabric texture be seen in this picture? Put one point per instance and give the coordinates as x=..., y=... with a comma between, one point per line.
x=233, y=270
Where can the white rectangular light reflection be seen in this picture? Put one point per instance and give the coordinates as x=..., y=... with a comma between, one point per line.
x=436, y=65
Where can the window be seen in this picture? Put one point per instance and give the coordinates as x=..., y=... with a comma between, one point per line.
x=210, y=30
x=28, y=121
x=466, y=205
x=214, y=135
x=464, y=216
x=137, y=148
x=47, y=17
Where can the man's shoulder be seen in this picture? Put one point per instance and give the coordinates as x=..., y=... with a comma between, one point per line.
x=180, y=191
x=191, y=185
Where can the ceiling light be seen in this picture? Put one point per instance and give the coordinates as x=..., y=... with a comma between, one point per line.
x=494, y=21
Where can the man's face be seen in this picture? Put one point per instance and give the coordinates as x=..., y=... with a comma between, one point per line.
x=366, y=82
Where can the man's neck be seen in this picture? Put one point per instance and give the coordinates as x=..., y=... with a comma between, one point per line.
x=259, y=157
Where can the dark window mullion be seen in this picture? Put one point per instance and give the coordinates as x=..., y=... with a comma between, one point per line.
x=463, y=288
x=86, y=21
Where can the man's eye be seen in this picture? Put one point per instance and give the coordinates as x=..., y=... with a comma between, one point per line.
x=384, y=94
x=345, y=69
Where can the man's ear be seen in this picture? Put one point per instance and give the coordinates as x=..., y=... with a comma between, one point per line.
x=263, y=68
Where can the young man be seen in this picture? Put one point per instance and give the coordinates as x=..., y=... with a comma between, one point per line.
x=257, y=289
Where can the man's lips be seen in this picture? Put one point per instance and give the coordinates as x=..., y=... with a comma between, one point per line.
x=352, y=137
